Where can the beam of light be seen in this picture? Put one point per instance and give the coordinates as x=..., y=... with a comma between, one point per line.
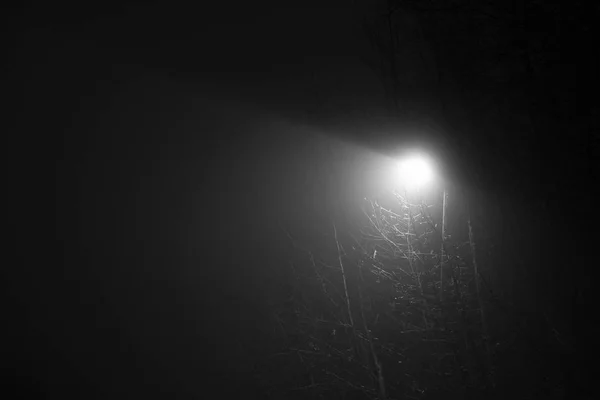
x=415, y=171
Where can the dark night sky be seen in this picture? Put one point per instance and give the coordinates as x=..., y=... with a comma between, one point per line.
x=173, y=143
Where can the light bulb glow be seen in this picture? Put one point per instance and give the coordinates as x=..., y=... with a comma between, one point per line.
x=415, y=171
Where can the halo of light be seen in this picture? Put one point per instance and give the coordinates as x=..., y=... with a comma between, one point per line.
x=415, y=171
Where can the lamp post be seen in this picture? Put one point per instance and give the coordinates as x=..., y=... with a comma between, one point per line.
x=415, y=171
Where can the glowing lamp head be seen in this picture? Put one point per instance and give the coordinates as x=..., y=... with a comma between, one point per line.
x=415, y=171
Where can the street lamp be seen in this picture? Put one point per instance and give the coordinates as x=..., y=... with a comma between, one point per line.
x=415, y=171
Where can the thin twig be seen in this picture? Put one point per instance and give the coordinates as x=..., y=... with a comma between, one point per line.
x=344, y=278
